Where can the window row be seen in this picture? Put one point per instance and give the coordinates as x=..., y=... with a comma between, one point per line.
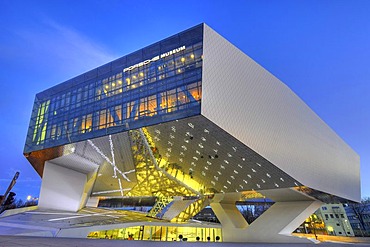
x=120, y=82
x=169, y=101
x=68, y=104
x=332, y=216
x=47, y=112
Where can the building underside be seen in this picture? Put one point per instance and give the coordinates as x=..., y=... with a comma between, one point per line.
x=186, y=164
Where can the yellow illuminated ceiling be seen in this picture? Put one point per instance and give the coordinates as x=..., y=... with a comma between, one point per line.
x=187, y=157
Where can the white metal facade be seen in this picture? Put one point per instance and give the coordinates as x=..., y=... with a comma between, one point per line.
x=255, y=107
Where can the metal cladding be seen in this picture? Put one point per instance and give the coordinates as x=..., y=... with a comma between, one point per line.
x=252, y=105
x=191, y=115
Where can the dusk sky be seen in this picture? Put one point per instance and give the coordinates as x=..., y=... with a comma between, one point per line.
x=320, y=49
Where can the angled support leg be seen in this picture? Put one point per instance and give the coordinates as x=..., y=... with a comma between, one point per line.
x=290, y=209
x=67, y=183
x=223, y=205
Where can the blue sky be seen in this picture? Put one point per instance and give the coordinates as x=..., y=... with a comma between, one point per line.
x=320, y=49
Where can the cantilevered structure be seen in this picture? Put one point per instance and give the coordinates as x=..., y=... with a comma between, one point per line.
x=193, y=121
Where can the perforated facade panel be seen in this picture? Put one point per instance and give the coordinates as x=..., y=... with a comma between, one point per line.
x=255, y=107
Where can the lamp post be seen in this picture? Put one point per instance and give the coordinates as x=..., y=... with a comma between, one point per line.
x=313, y=225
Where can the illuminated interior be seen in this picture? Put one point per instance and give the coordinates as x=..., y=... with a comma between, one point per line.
x=161, y=233
x=169, y=85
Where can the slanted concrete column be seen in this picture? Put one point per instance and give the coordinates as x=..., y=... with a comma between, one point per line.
x=290, y=210
x=223, y=205
x=67, y=183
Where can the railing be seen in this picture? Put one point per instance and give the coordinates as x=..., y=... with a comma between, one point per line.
x=159, y=207
x=154, y=161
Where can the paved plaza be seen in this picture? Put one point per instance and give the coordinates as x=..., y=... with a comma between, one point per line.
x=33, y=221
x=17, y=241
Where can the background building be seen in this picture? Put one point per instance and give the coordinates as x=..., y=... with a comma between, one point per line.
x=192, y=121
x=335, y=219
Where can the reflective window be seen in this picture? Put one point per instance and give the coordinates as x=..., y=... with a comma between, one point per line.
x=166, y=89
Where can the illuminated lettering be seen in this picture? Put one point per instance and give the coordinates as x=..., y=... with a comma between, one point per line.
x=163, y=55
x=166, y=54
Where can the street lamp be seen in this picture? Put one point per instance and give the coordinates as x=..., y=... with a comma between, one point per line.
x=330, y=229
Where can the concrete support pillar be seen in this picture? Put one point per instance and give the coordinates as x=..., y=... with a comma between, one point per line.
x=67, y=183
x=290, y=210
x=223, y=205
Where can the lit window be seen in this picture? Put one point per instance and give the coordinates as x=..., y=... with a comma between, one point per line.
x=182, y=59
x=192, y=56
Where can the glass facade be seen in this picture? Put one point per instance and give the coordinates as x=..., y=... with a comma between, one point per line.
x=161, y=233
x=159, y=83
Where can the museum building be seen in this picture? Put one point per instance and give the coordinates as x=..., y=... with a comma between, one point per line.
x=194, y=122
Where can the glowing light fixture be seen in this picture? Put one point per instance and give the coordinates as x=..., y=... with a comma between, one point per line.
x=112, y=163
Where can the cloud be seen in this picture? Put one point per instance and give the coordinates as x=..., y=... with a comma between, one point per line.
x=70, y=42
x=8, y=174
x=64, y=47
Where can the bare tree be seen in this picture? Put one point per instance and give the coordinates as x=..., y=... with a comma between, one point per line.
x=359, y=209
